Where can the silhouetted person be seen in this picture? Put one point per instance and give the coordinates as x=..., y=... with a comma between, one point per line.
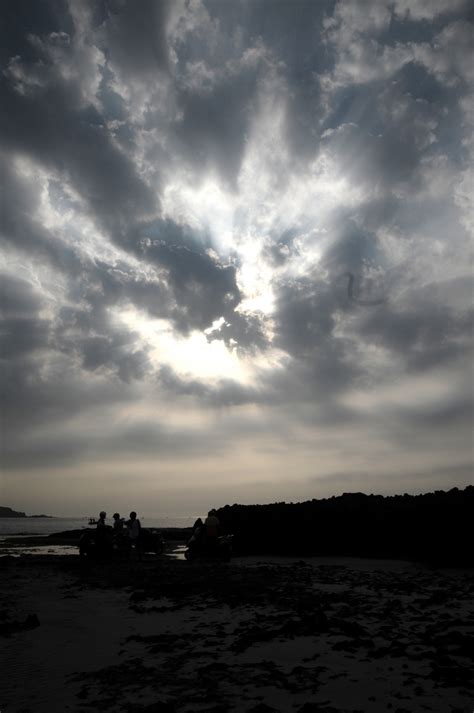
x=101, y=533
x=118, y=531
x=199, y=523
x=212, y=528
x=198, y=535
x=134, y=532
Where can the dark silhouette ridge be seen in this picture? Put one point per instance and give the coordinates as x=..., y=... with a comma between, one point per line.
x=433, y=527
x=8, y=512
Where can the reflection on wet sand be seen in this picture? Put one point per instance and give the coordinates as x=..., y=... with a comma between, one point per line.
x=38, y=550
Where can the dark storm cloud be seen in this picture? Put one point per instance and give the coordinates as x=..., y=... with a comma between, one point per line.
x=204, y=288
x=88, y=279
x=292, y=34
x=114, y=351
x=194, y=289
x=353, y=245
x=91, y=336
x=381, y=135
x=385, y=149
x=217, y=110
x=22, y=336
x=215, y=122
x=25, y=332
x=51, y=125
x=323, y=363
x=305, y=316
x=423, y=334
x=20, y=18
x=19, y=298
x=108, y=104
x=39, y=393
x=21, y=231
x=134, y=36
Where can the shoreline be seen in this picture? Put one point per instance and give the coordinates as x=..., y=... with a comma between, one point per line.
x=67, y=542
x=60, y=542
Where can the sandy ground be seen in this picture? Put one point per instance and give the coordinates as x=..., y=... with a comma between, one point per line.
x=164, y=636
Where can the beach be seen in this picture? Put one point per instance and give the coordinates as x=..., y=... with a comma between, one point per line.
x=258, y=634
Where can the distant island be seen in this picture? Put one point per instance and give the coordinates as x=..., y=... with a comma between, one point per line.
x=8, y=512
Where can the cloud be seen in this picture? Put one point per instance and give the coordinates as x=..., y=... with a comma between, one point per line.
x=20, y=298
x=134, y=38
x=187, y=187
x=204, y=288
x=449, y=56
x=427, y=9
x=244, y=332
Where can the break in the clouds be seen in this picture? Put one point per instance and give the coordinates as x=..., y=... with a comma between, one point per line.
x=235, y=250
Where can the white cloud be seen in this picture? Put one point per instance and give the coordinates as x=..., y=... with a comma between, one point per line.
x=427, y=9
x=450, y=56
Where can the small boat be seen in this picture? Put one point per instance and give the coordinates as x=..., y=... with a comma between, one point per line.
x=92, y=521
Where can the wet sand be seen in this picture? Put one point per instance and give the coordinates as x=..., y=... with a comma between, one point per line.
x=259, y=634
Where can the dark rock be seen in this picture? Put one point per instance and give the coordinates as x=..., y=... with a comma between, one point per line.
x=12, y=627
x=315, y=621
x=31, y=622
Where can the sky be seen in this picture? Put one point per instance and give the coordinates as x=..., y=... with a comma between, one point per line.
x=236, y=251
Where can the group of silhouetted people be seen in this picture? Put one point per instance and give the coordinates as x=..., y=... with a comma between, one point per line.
x=128, y=534
x=122, y=529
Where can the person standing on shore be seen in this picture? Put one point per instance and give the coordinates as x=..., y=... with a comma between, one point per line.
x=101, y=532
x=212, y=528
x=118, y=531
x=134, y=532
